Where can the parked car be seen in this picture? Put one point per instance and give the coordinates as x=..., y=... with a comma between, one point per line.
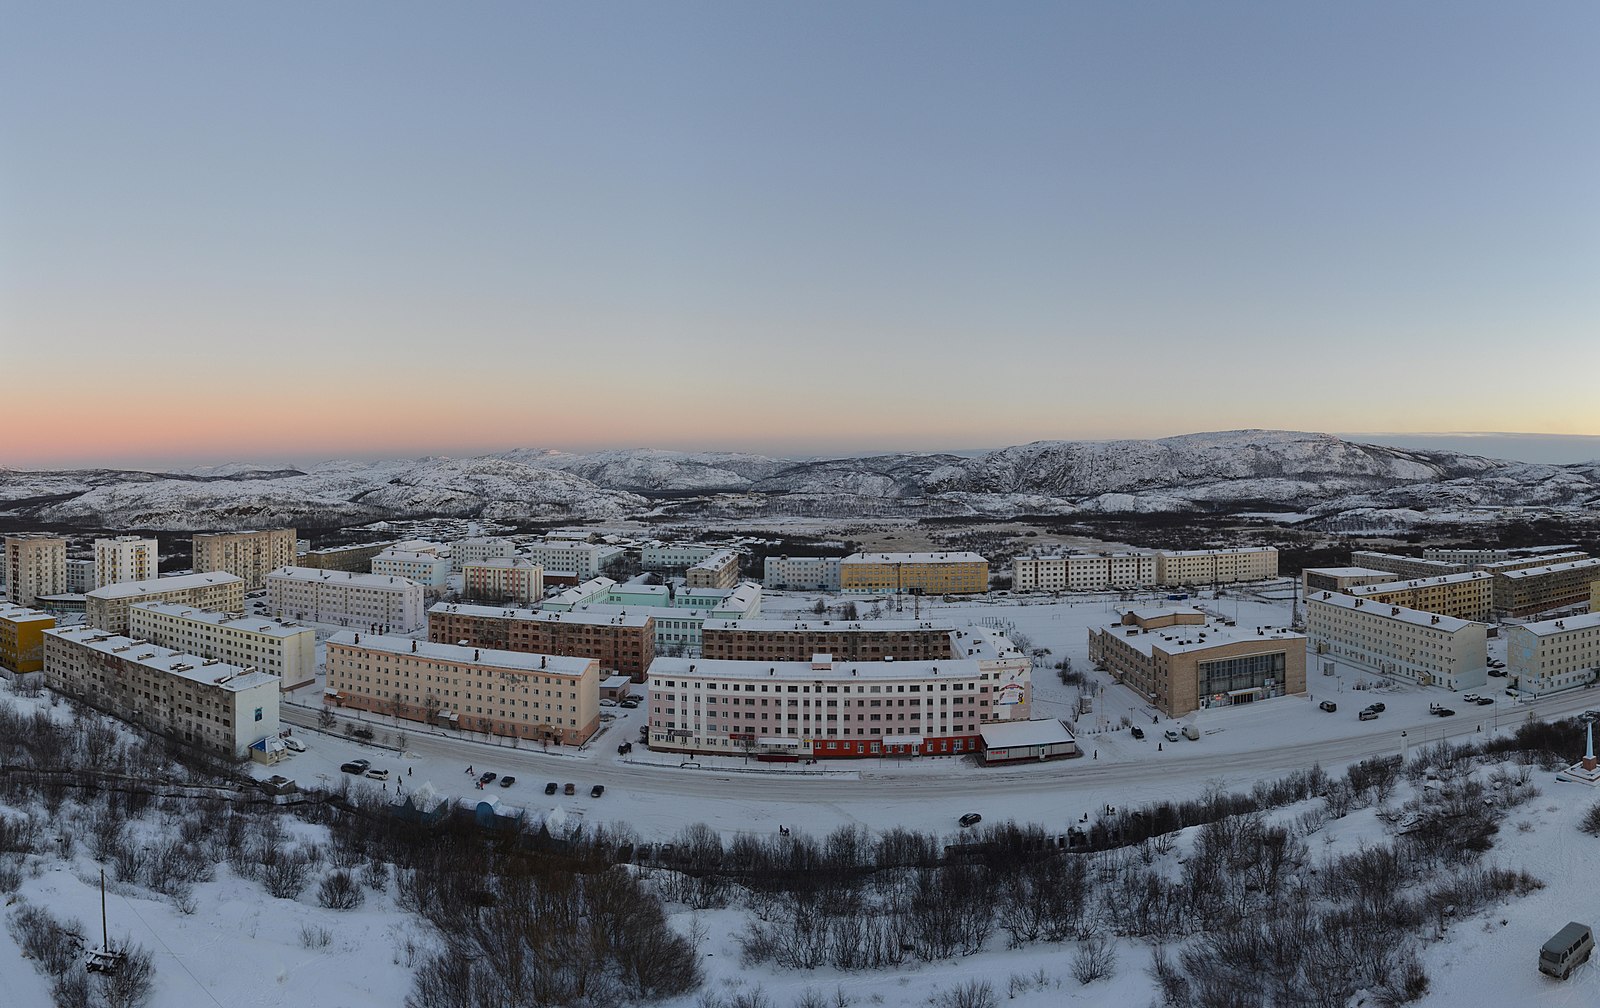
x=608, y=702
x=359, y=766
x=551, y=787
x=1445, y=712
x=1497, y=672
x=378, y=773
x=607, y=716
x=1368, y=715
x=1380, y=708
x=1569, y=949
x=624, y=748
x=1137, y=732
x=1329, y=706
x=570, y=789
x=1484, y=701
x=1171, y=735
x=1191, y=733
x=629, y=703
x=488, y=778
x=1469, y=697
x=293, y=744
x=597, y=791
x=507, y=781
x=970, y=819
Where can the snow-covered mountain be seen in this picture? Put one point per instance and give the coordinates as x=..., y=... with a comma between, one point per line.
x=1231, y=470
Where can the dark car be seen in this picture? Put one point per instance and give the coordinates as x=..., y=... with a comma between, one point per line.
x=1445, y=712
x=629, y=703
x=551, y=787
x=507, y=781
x=1137, y=732
x=488, y=778
x=1484, y=701
x=1380, y=708
x=359, y=766
x=570, y=789
x=1329, y=706
x=970, y=819
x=597, y=791
x=1498, y=672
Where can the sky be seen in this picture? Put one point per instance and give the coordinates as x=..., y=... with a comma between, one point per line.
x=299, y=231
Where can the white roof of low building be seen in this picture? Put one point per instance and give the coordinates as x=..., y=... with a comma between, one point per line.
x=921, y=558
x=1442, y=579
x=1446, y=624
x=504, y=562
x=1186, y=637
x=1018, y=734
x=236, y=621
x=407, y=556
x=178, y=582
x=510, y=661
x=615, y=681
x=1564, y=625
x=1528, y=572
x=22, y=614
x=205, y=671
x=393, y=581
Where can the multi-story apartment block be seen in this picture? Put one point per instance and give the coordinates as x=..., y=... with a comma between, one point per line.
x=125, y=558
x=953, y=573
x=107, y=607
x=283, y=650
x=356, y=559
x=82, y=577
x=674, y=557
x=426, y=569
x=198, y=700
x=36, y=566
x=1179, y=568
x=825, y=709
x=587, y=560
x=375, y=602
x=1475, y=557
x=514, y=580
x=845, y=640
x=22, y=637
x=1421, y=647
x=1083, y=571
x=719, y=570
x=1338, y=579
x=1532, y=590
x=481, y=549
x=1530, y=562
x=247, y=555
x=1468, y=596
x=621, y=642
x=802, y=573
x=1554, y=654
x=549, y=698
x=1406, y=566
x=1180, y=661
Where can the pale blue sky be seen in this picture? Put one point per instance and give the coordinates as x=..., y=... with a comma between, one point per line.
x=792, y=228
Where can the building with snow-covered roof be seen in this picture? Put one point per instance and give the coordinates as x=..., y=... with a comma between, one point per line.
x=285, y=650
x=428, y=569
x=22, y=637
x=82, y=577
x=480, y=548
x=1554, y=654
x=623, y=641
x=374, y=602
x=250, y=556
x=801, y=573
x=592, y=590
x=1083, y=571
x=199, y=701
x=674, y=556
x=1529, y=591
x=929, y=573
x=1475, y=557
x=513, y=580
x=719, y=570
x=1338, y=579
x=1179, y=568
x=1468, y=596
x=587, y=559
x=846, y=640
x=1181, y=660
x=125, y=558
x=1027, y=741
x=36, y=566
x=107, y=607
x=1406, y=566
x=1421, y=647
x=829, y=709
x=548, y=698
x=356, y=558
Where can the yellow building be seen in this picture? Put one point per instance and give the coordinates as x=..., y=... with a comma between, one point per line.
x=914, y=573
x=1468, y=596
x=22, y=637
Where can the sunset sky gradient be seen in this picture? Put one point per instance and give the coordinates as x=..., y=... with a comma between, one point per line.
x=298, y=231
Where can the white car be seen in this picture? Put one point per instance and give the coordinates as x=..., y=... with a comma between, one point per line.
x=293, y=744
x=378, y=773
x=608, y=702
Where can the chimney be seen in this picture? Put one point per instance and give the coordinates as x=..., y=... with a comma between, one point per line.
x=413, y=647
x=474, y=654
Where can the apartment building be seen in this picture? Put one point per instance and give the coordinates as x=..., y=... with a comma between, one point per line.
x=107, y=608
x=1468, y=596
x=1421, y=647
x=82, y=577
x=824, y=708
x=587, y=560
x=1554, y=654
x=1529, y=563
x=678, y=626
x=247, y=555
x=426, y=569
x=356, y=559
x=1083, y=571
x=719, y=570
x=125, y=558
x=675, y=556
x=514, y=580
x=481, y=549
x=845, y=640
x=1474, y=557
x=1406, y=566
x=952, y=573
x=622, y=642
x=1181, y=568
x=36, y=566
x=1181, y=660
x=200, y=701
x=1533, y=590
x=550, y=698
x=374, y=602
x=1338, y=579
x=284, y=650
x=22, y=637
x=801, y=573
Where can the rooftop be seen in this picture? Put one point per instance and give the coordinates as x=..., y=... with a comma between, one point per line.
x=1348, y=572
x=807, y=671
x=343, y=578
x=237, y=621
x=1014, y=734
x=205, y=671
x=1446, y=624
x=1361, y=591
x=827, y=626
x=510, y=661
x=1219, y=552
x=178, y=582
x=1566, y=624
x=22, y=614
x=633, y=618
x=505, y=563
x=890, y=558
x=1189, y=637
x=1528, y=572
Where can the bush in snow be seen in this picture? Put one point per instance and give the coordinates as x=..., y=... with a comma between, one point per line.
x=339, y=891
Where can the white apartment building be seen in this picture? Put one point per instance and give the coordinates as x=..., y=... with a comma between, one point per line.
x=503, y=579
x=825, y=709
x=1421, y=647
x=36, y=566
x=125, y=558
x=513, y=693
x=480, y=549
x=284, y=650
x=82, y=578
x=1083, y=571
x=676, y=556
x=374, y=602
x=1554, y=654
x=1221, y=566
x=802, y=573
x=107, y=607
x=201, y=701
x=424, y=568
x=719, y=570
x=587, y=560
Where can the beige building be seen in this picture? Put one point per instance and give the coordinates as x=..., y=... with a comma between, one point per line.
x=953, y=573
x=1529, y=591
x=284, y=650
x=1406, y=566
x=1476, y=557
x=719, y=570
x=36, y=566
x=1468, y=596
x=511, y=693
x=622, y=641
x=1338, y=579
x=22, y=637
x=196, y=700
x=1083, y=571
x=513, y=580
x=250, y=556
x=1554, y=654
x=845, y=640
x=357, y=558
x=107, y=608
x=479, y=549
x=373, y=602
x=125, y=558
x=1179, y=568
x=1421, y=647
x=1180, y=660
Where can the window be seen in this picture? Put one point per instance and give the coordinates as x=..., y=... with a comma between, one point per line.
x=258, y=713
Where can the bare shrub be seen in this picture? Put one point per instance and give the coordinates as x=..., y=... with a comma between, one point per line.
x=314, y=937
x=1096, y=959
x=972, y=994
x=132, y=982
x=339, y=891
x=1590, y=823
